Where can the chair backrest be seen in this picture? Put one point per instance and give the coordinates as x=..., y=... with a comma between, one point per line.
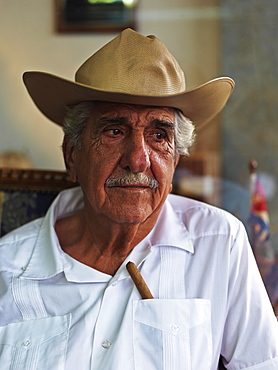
x=26, y=195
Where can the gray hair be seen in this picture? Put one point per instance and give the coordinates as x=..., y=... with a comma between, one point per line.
x=184, y=133
x=78, y=115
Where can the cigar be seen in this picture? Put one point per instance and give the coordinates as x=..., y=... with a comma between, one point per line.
x=139, y=281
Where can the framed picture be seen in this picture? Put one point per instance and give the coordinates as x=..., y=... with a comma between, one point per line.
x=94, y=15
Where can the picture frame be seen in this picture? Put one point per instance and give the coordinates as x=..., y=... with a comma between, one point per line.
x=75, y=16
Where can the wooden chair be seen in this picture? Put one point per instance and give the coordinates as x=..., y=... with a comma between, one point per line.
x=26, y=194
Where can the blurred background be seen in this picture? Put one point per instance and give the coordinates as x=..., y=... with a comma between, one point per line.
x=209, y=38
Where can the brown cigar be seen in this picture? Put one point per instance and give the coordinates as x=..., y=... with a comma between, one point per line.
x=139, y=281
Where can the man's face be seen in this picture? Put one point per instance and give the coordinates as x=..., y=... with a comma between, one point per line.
x=123, y=146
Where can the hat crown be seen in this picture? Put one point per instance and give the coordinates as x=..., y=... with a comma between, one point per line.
x=133, y=64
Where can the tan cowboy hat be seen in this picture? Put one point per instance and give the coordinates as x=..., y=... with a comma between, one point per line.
x=132, y=69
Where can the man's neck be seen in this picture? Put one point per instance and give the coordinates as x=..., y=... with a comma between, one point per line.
x=98, y=243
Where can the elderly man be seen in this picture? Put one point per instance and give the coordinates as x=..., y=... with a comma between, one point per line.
x=67, y=298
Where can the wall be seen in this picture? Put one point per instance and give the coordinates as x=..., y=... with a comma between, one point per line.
x=208, y=37
x=249, y=34
x=28, y=42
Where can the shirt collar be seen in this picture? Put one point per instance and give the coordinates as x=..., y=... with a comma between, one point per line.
x=169, y=230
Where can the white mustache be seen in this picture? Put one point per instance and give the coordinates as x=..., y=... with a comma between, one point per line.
x=132, y=179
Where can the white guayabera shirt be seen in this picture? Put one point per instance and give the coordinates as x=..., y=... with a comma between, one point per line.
x=56, y=313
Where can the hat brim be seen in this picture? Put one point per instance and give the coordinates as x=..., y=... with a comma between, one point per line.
x=52, y=94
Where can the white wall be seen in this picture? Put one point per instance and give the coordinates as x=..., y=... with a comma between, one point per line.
x=28, y=42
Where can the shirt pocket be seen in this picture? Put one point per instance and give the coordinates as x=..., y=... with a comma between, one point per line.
x=35, y=344
x=172, y=334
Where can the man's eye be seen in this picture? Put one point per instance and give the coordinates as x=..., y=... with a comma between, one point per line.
x=160, y=135
x=113, y=131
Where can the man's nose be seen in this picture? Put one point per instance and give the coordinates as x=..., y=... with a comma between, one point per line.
x=136, y=155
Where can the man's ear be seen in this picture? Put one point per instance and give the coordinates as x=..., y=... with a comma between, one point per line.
x=69, y=153
x=176, y=160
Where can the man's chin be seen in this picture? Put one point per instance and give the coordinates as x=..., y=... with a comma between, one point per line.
x=129, y=219
x=129, y=215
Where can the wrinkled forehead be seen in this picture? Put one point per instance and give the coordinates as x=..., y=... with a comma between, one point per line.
x=116, y=110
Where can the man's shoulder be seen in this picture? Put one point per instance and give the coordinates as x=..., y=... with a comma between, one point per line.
x=21, y=233
x=183, y=204
x=198, y=215
x=18, y=244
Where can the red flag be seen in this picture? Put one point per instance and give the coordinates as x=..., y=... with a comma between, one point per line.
x=261, y=238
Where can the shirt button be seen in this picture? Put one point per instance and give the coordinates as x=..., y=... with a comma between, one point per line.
x=106, y=344
x=175, y=328
x=26, y=343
